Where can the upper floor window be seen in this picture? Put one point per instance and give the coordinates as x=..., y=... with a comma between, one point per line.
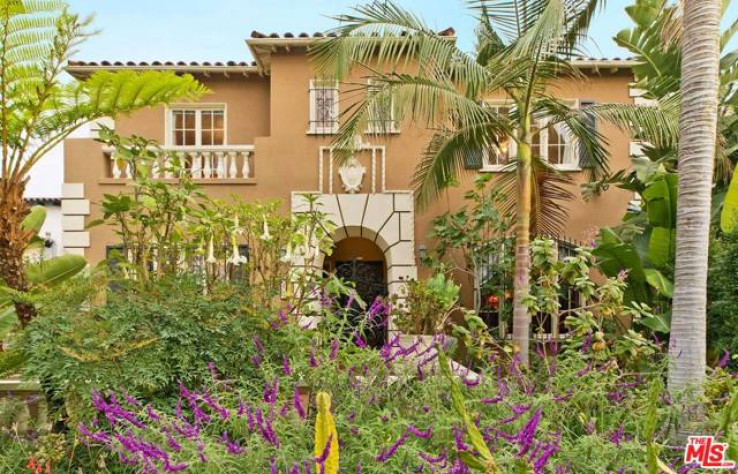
x=323, y=106
x=553, y=142
x=497, y=156
x=381, y=111
x=197, y=126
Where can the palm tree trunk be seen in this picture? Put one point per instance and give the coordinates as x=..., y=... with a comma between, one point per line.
x=698, y=131
x=521, y=317
x=14, y=241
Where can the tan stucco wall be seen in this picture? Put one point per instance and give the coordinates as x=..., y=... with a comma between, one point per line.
x=272, y=113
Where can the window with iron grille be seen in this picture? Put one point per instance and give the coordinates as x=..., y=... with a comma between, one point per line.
x=323, y=106
x=495, y=299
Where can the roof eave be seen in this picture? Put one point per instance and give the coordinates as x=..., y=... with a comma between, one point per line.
x=261, y=48
x=82, y=72
x=603, y=64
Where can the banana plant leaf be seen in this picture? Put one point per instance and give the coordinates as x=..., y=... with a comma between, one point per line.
x=659, y=282
x=662, y=246
x=661, y=199
x=35, y=220
x=56, y=270
x=729, y=214
x=614, y=255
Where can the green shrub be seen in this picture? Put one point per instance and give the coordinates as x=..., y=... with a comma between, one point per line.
x=146, y=341
x=722, y=297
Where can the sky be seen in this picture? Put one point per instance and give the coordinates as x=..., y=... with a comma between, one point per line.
x=199, y=30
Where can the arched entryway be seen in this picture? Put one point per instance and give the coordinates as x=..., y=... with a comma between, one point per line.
x=361, y=262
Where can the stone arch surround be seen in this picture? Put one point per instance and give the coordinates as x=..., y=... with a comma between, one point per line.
x=387, y=219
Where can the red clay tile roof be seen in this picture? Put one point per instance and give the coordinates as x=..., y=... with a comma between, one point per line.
x=174, y=64
x=319, y=34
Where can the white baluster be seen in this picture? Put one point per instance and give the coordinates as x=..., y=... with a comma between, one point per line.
x=128, y=171
x=196, y=165
x=167, y=166
x=246, y=170
x=232, y=169
x=221, y=170
x=115, y=170
x=208, y=169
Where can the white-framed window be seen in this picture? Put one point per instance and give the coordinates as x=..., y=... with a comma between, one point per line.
x=498, y=156
x=553, y=142
x=323, y=106
x=381, y=112
x=196, y=125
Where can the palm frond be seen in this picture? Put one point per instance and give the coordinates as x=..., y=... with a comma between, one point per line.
x=551, y=193
x=512, y=18
x=385, y=36
x=446, y=154
x=657, y=124
x=579, y=122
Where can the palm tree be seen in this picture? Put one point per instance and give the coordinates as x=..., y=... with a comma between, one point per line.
x=39, y=109
x=698, y=130
x=426, y=78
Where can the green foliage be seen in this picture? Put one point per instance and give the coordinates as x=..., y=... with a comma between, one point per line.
x=146, y=342
x=468, y=240
x=428, y=304
x=722, y=291
x=729, y=213
x=655, y=43
x=167, y=228
x=644, y=245
x=42, y=276
x=483, y=461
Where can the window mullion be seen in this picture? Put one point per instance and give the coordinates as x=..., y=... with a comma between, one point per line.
x=543, y=135
x=198, y=128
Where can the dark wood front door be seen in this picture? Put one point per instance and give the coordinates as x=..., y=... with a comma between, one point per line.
x=370, y=283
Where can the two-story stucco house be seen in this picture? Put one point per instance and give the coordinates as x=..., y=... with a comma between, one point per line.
x=265, y=132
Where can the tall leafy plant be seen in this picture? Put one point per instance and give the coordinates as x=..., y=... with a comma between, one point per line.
x=427, y=79
x=38, y=109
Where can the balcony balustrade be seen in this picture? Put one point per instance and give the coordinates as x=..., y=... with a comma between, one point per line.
x=226, y=164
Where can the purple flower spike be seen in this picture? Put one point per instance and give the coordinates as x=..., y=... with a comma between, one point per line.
x=286, y=365
x=459, y=439
x=526, y=436
x=385, y=455
x=724, y=360
x=334, y=349
x=258, y=345
x=273, y=466
x=359, y=341
x=298, y=404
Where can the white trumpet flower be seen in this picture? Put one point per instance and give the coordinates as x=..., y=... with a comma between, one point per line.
x=266, y=235
x=211, y=251
x=287, y=257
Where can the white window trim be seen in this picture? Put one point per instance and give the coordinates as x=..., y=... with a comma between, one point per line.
x=487, y=167
x=542, y=124
x=392, y=129
x=313, y=128
x=169, y=124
